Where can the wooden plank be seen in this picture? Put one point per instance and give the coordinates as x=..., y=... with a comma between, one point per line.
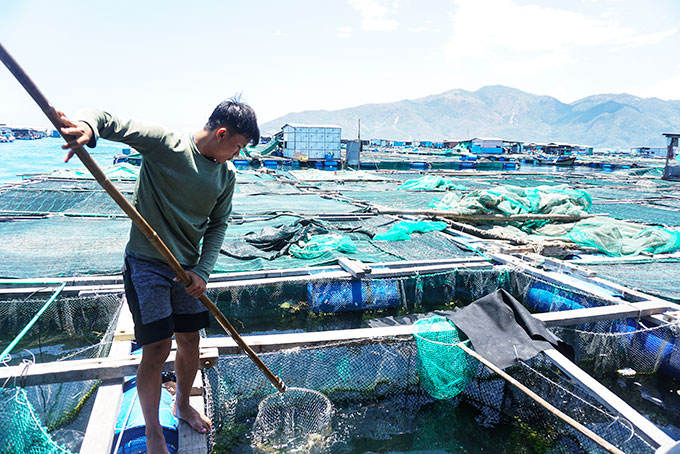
x=18, y=290
x=190, y=441
x=643, y=427
x=594, y=314
x=355, y=269
x=89, y=369
x=275, y=342
x=100, y=427
x=125, y=330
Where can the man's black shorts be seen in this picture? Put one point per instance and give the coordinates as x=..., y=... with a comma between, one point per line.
x=159, y=306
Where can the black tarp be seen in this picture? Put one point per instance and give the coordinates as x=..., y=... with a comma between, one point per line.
x=499, y=328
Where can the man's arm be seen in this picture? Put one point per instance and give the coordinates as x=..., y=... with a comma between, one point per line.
x=96, y=123
x=214, y=234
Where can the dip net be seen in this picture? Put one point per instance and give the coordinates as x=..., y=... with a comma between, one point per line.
x=292, y=420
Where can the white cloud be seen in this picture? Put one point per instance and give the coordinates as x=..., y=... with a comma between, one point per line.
x=374, y=14
x=345, y=32
x=280, y=34
x=424, y=29
x=648, y=38
x=493, y=28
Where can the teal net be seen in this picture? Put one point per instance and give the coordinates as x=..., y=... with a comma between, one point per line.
x=444, y=368
x=70, y=328
x=22, y=432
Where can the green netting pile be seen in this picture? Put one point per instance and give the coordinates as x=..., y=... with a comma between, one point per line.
x=444, y=368
x=610, y=236
x=509, y=199
x=264, y=243
x=401, y=231
x=22, y=432
x=619, y=238
x=317, y=245
x=122, y=170
x=430, y=183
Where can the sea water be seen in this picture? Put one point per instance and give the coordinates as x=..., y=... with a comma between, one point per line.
x=28, y=157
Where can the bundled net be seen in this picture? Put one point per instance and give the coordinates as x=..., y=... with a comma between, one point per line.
x=267, y=243
x=444, y=368
x=22, y=432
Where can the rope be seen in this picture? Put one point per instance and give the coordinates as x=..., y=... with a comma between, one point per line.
x=32, y=322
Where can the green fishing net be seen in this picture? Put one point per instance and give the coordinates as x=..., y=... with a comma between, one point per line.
x=508, y=199
x=444, y=368
x=319, y=244
x=430, y=183
x=401, y=231
x=22, y=432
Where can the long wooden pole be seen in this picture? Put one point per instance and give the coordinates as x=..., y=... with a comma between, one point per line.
x=545, y=404
x=132, y=213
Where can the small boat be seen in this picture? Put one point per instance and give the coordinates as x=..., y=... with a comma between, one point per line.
x=562, y=160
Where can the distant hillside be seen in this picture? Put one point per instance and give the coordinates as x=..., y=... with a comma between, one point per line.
x=609, y=120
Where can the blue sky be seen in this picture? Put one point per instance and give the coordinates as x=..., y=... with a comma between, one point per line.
x=171, y=62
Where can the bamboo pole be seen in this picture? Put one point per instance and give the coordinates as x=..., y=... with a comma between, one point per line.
x=132, y=213
x=545, y=404
x=491, y=217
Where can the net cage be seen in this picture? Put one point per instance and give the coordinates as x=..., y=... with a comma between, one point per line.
x=318, y=303
x=51, y=418
x=380, y=402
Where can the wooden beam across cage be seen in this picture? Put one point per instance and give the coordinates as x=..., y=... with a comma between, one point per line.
x=212, y=347
x=84, y=286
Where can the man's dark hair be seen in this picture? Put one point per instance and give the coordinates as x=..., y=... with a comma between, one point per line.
x=238, y=117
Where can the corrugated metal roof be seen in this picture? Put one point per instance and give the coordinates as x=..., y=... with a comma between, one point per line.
x=300, y=125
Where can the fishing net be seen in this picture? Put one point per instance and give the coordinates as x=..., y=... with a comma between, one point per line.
x=376, y=390
x=70, y=328
x=508, y=199
x=430, y=183
x=22, y=432
x=401, y=231
x=297, y=419
x=317, y=245
x=444, y=368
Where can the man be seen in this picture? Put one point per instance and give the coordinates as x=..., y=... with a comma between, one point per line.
x=184, y=192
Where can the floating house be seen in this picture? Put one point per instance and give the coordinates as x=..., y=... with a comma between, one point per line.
x=671, y=171
x=311, y=142
x=648, y=152
x=6, y=133
x=493, y=146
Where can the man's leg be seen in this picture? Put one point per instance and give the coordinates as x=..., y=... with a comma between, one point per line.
x=186, y=366
x=149, y=383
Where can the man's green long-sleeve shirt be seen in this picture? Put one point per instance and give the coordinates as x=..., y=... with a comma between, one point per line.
x=183, y=195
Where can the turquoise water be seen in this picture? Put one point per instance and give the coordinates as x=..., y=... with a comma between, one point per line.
x=25, y=157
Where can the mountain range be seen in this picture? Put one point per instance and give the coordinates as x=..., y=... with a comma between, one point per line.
x=606, y=120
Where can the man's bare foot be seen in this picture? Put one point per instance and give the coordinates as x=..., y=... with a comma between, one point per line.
x=155, y=444
x=200, y=423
